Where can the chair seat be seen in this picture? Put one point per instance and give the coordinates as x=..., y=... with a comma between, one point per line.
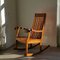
x=34, y=41
x=30, y=41
x=21, y=39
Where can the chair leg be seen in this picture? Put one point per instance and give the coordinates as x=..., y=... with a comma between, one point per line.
x=27, y=54
x=26, y=49
x=16, y=44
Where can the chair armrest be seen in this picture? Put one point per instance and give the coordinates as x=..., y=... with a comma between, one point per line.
x=27, y=30
x=37, y=30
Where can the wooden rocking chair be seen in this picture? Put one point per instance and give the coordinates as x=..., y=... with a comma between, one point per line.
x=35, y=34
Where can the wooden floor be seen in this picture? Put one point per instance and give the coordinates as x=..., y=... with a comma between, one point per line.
x=52, y=53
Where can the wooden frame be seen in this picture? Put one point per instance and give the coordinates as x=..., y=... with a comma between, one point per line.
x=30, y=40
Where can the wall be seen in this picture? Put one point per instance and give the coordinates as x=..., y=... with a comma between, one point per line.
x=26, y=11
x=10, y=17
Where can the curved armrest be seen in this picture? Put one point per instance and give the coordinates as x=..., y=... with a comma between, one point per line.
x=37, y=30
x=27, y=30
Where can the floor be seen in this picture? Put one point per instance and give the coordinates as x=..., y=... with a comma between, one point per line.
x=52, y=53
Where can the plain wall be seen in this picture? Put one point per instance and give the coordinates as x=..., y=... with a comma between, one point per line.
x=25, y=14
x=10, y=17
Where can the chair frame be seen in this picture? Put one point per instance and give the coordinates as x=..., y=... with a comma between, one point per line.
x=33, y=41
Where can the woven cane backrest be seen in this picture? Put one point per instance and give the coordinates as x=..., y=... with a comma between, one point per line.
x=38, y=23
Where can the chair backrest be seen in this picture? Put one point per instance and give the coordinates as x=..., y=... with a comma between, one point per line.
x=38, y=23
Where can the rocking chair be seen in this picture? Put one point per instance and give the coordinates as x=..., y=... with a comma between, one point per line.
x=35, y=35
